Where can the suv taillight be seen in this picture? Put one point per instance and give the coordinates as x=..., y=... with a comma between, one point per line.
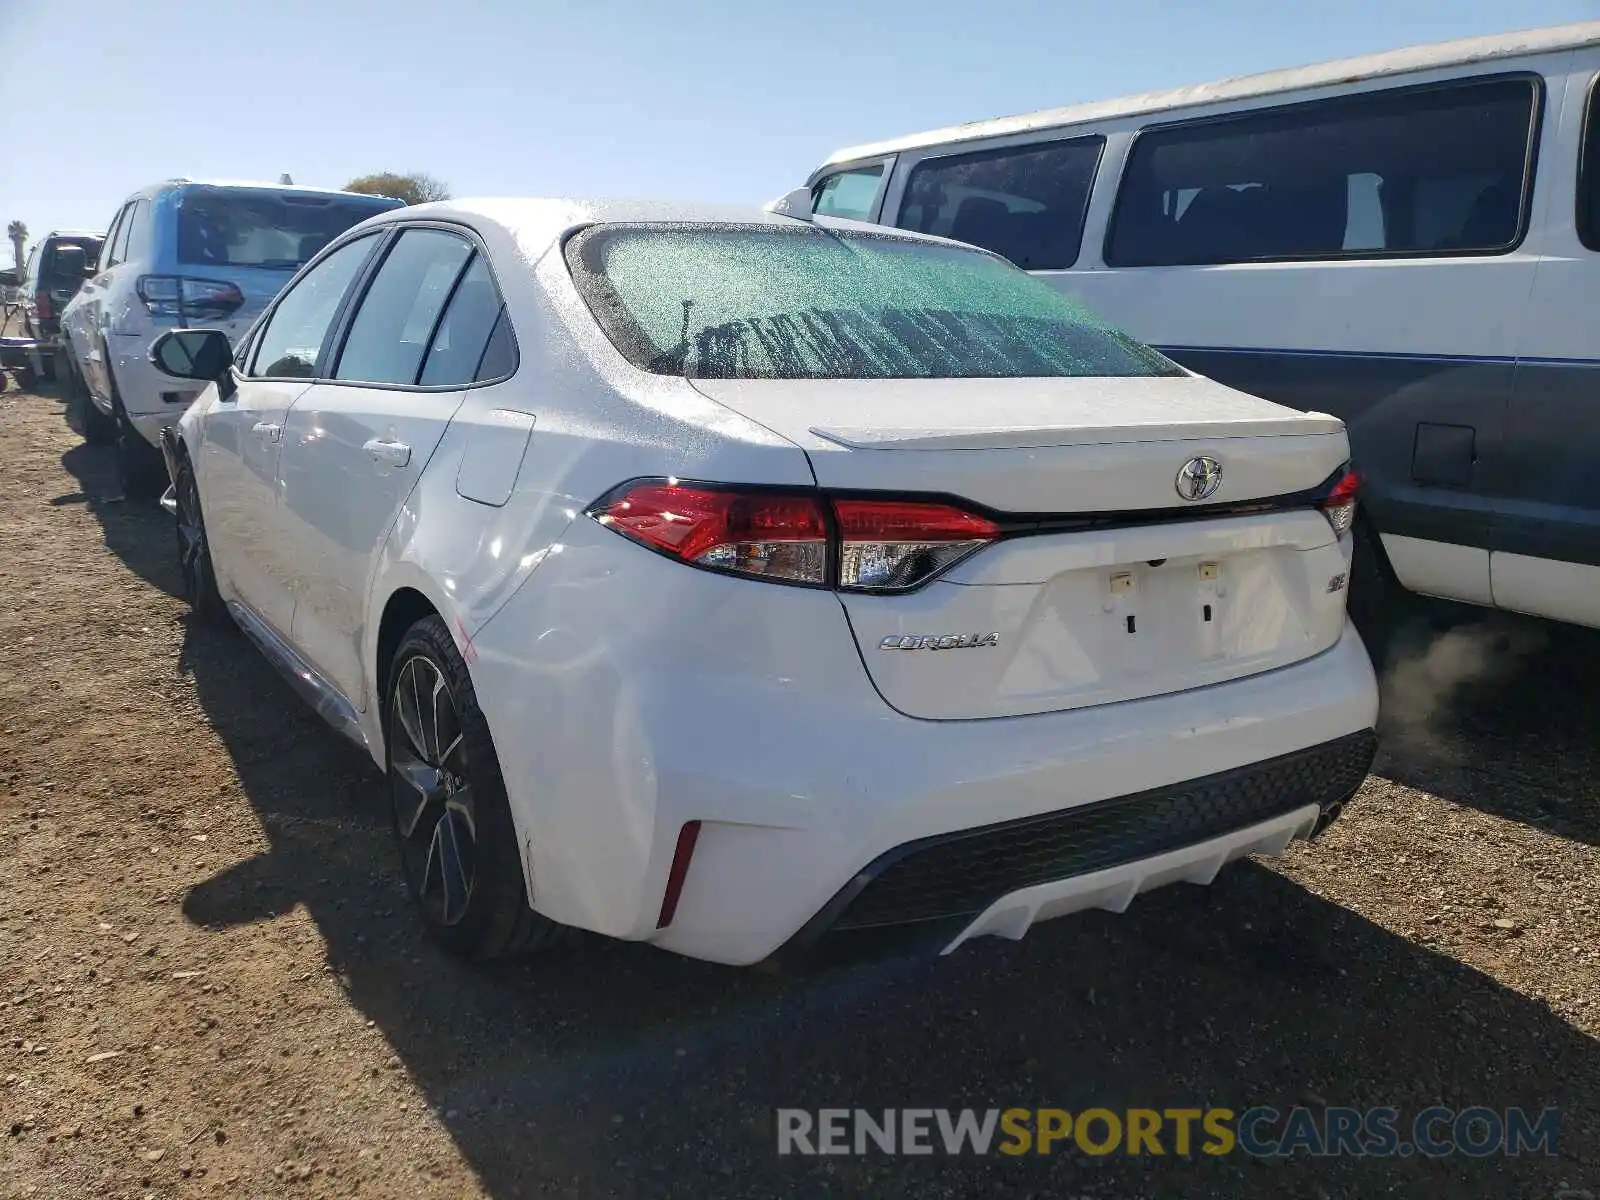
x=186, y=299
x=1339, y=505
x=41, y=304
x=850, y=543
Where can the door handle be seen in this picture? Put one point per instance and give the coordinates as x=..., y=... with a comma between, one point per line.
x=267, y=431
x=389, y=453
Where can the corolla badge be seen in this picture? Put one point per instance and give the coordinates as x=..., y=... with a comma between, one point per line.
x=1199, y=478
x=938, y=641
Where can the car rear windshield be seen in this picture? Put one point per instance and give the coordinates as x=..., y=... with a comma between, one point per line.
x=278, y=230
x=768, y=302
x=51, y=267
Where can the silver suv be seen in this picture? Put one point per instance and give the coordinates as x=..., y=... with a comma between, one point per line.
x=183, y=253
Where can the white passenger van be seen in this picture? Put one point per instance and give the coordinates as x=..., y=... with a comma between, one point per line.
x=1409, y=240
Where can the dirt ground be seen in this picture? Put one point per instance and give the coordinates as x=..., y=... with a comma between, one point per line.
x=210, y=983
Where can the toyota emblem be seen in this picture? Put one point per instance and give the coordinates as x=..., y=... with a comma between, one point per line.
x=1199, y=478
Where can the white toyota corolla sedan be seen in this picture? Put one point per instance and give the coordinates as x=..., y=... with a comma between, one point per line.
x=727, y=579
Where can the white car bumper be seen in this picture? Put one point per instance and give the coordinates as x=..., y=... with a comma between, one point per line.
x=629, y=695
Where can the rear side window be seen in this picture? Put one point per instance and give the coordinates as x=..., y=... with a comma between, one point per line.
x=117, y=239
x=500, y=355
x=1026, y=203
x=464, y=331
x=397, y=317
x=138, y=247
x=1439, y=170
x=773, y=302
x=1589, y=174
x=848, y=194
x=244, y=227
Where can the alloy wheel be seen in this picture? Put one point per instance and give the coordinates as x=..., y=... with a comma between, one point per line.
x=191, y=535
x=430, y=794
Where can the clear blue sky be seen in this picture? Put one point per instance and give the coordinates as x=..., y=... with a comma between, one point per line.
x=709, y=99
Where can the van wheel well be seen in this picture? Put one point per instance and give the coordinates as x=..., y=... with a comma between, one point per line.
x=404, y=609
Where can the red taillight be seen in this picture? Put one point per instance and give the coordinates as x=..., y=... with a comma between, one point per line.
x=869, y=545
x=41, y=304
x=896, y=544
x=1339, y=506
x=774, y=535
x=187, y=299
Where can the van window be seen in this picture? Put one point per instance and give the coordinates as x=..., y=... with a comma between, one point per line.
x=1438, y=170
x=848, y=194
x=1589, y=173
x=1025, y=203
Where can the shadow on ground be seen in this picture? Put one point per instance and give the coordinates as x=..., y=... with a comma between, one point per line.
x=618, y=1070
x=138, y=532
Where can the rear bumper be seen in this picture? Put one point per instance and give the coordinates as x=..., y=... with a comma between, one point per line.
x=152, y=399
x=629, y=696
x=1003, y=878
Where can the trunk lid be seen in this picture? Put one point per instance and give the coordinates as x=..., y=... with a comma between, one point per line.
x=1153, y=599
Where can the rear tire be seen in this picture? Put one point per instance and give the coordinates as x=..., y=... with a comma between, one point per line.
x=83, y=414
x=452, y=820
x=140, y=468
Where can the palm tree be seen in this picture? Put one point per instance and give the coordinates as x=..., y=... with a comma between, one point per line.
x=18, y=233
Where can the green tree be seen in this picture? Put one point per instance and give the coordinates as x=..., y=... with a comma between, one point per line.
x=413, y=187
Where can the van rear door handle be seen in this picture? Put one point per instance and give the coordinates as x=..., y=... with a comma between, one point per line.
x=388, y=453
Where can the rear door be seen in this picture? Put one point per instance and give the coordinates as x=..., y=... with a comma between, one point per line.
x=86, y=325
x=243, y=438
x=356, y=443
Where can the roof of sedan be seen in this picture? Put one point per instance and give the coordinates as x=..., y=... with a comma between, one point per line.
x=538, y=222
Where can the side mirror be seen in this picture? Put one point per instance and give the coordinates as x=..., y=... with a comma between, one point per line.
x=202, y=354
x=796, y=204
x=70, y=263
x=9, y=278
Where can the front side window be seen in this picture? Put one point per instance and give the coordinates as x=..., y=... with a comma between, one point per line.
x=289, y=343
x=1026, y=203
x=245, y=227
x=850, y=194
x=1439, y=170
x=395, y=322
x=1589, y=174
x=769, y=302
